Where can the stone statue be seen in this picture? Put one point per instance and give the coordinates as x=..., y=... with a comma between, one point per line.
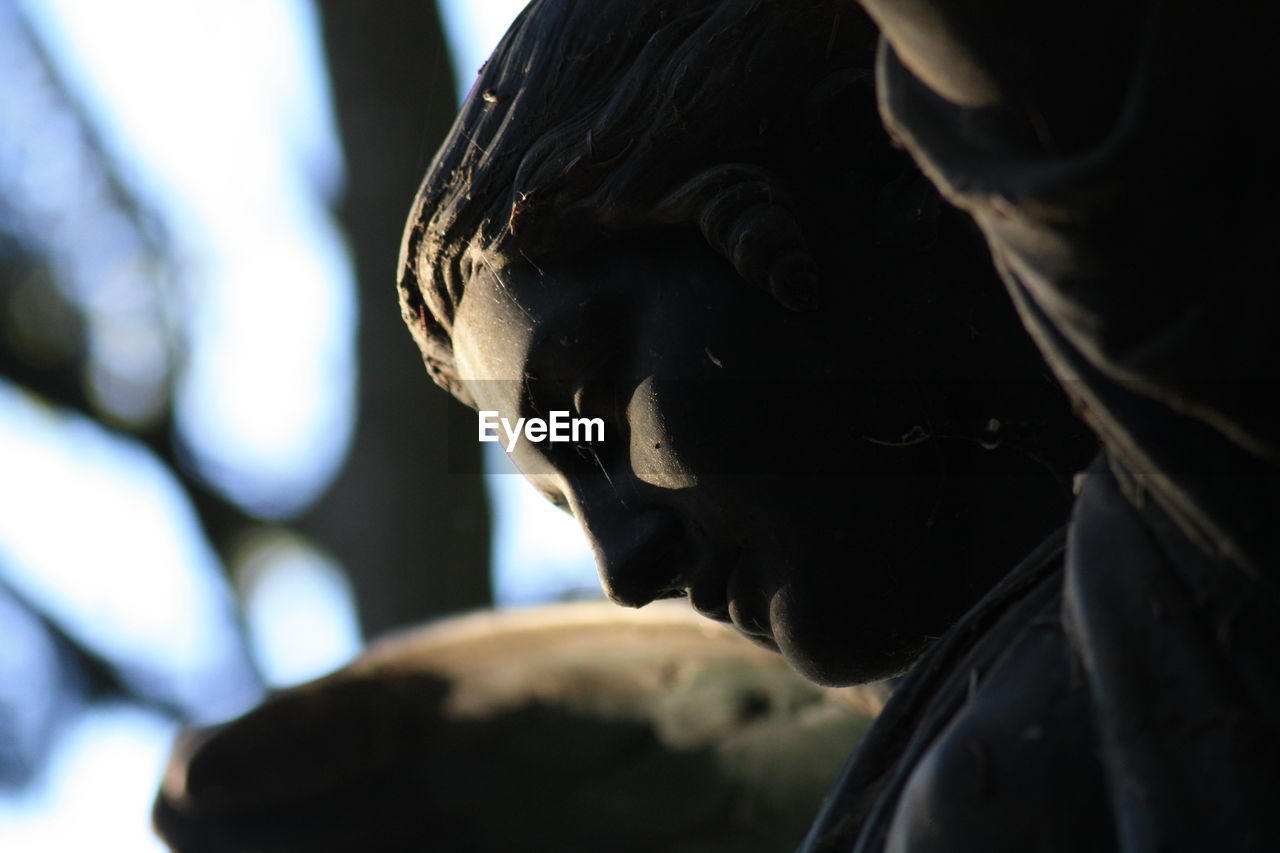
x=825, y=423
x=613, y=232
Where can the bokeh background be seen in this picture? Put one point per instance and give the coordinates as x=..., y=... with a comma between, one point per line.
x=222, y=466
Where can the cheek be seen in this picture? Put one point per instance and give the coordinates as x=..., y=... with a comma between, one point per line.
x=683, y=432
x=654, y=455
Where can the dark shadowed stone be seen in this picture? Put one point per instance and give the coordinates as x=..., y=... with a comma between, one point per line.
x=573, y=727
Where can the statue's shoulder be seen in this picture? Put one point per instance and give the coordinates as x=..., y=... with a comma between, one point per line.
x=988, y=744
x=1017, y=767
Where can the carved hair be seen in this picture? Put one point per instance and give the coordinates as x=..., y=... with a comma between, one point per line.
x=599, y=116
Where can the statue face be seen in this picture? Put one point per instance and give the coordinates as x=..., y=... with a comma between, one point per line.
x=733, y=468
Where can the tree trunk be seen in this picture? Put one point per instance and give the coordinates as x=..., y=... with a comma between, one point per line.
x=414, y=537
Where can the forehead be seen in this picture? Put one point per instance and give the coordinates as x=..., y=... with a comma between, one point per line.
x=505, y=317
x=647, y=298
x=492, y=327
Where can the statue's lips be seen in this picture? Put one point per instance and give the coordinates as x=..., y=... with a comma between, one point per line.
x=744, y=610
x=709, y=588
x=713, y=594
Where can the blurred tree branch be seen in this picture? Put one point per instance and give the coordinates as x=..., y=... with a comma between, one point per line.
x=47, y=350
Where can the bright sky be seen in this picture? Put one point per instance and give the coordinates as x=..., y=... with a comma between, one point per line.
x=101, y=537
x=265, y=401
x=266, y=398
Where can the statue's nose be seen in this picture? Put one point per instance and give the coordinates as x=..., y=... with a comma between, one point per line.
x=640, y=553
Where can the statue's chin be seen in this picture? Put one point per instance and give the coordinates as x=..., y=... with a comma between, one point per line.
x=825, y=646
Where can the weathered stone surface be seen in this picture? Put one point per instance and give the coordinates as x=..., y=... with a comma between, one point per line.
x=572, y=727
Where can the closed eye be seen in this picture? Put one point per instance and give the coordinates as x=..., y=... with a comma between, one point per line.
x=557, y=500
x=596, y=395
